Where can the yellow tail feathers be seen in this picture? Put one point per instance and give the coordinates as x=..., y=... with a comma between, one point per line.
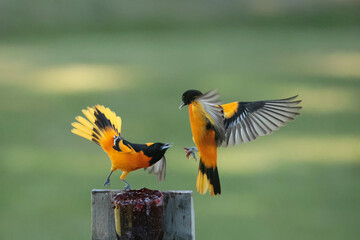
x=208, y=179
x=202, y=183
x=100, y=126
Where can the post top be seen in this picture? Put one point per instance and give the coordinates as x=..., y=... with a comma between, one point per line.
x=94, y=191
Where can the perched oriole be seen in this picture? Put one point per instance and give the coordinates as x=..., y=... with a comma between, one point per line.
x=214, y=125
x=103, y=127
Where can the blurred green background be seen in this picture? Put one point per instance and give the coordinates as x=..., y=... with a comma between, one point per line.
x=138, y=57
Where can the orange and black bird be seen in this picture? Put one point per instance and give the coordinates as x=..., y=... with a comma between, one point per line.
x=103, y=127
x=214, y=125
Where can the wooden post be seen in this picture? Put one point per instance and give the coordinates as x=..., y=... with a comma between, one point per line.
x=179, y=219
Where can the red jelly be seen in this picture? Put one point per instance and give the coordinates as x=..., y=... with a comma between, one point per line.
x=139, y=214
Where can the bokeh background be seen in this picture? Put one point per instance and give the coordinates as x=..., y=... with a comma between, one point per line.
x=138, y=57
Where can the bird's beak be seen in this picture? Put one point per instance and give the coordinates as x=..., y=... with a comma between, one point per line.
x=181, y=105
x=166, y=146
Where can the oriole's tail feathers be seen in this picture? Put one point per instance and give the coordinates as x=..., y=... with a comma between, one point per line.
x=100, y=126
x=208, y=179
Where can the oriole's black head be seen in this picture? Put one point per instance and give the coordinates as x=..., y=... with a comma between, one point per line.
x=189, y=96
x=157, y=151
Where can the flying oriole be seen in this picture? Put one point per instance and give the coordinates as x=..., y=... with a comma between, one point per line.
x=103, y=127
x=214, y=125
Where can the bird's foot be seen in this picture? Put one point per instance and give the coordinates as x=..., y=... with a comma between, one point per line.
x=127, y=186
x=191, y=151
x=107, y=183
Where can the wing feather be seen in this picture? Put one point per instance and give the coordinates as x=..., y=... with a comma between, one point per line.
x=214, y=113
x=159, y=169
x=245, y=121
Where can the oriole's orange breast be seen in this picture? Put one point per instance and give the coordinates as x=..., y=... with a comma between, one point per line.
x=204, y=138
x=128, y=161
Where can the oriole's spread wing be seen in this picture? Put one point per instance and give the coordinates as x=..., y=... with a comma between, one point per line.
x=245, y=121
x=214, y=114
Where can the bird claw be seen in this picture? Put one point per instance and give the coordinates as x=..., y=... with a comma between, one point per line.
x=190, y=151
x=127, y=186
x=107, y=183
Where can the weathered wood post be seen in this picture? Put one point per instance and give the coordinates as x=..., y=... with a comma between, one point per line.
x=179, y=220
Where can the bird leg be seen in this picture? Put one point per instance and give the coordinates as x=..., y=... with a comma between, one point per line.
x=122, y=178
x=107, y=182
x=127, y=187
x=191, y=151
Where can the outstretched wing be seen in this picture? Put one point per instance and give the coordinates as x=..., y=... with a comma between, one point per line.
x=214, y=114
x=245, y=121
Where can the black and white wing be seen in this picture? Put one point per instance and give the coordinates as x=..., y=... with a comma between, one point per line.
x=245, y=121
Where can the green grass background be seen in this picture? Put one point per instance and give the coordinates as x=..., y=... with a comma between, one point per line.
x=302, y=182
